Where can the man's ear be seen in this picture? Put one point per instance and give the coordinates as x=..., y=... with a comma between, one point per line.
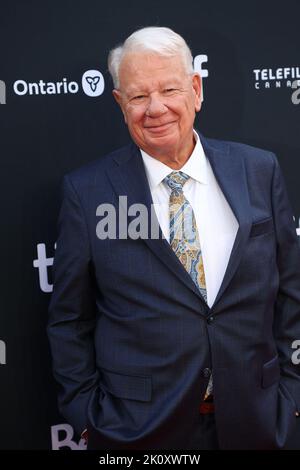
x=118, y=97
x=197, y=87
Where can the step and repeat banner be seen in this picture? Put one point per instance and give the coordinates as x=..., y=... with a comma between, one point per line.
x=58, y=113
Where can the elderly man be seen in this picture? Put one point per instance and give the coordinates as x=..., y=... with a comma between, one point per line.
x=180, y=337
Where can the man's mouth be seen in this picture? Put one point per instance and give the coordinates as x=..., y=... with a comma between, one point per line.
x=159, y=127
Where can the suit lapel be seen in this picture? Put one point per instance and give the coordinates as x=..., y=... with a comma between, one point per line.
x=128, y=177
x=230, y=173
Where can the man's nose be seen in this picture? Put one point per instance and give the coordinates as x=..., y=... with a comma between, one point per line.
x=156, y=107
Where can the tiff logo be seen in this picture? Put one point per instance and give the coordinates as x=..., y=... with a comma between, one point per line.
x=42, y=263
x=2, y=352
x=199, y=60
x=2, y=92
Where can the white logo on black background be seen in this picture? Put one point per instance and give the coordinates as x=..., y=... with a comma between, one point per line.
x=296, y=354
x=62, y=437
x=42, y=263
x=21, y=87
x=199, y=60
x=2, y=352
x=2, y=92
x=93, y=83
x=279, y=77
x=296, y=94
x=298, y=228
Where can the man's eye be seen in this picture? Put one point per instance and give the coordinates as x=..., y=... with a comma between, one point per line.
x=169, y=90
x=138, y=97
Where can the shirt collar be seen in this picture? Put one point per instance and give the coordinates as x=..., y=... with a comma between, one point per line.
x=195, y=167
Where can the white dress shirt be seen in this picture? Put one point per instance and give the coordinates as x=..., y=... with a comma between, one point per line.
x=216, y=223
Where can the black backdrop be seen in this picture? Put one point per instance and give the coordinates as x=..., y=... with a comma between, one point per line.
x=45, y=135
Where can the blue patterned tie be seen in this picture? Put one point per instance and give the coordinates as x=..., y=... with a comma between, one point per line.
x=184, y=237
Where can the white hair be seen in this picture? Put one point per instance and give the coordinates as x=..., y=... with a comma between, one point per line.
x=159, y=40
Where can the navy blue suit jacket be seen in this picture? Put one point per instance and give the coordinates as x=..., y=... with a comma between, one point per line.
x=131, y=336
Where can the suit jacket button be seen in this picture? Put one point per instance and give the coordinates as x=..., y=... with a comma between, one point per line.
x=206, y=372
x=210, y=319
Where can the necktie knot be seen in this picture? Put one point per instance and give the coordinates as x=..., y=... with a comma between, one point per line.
x=176, y=180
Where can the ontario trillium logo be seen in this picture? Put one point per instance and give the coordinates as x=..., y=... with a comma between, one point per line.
x=92, y=83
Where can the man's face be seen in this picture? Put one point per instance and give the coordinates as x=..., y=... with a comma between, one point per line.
x=159, y=100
